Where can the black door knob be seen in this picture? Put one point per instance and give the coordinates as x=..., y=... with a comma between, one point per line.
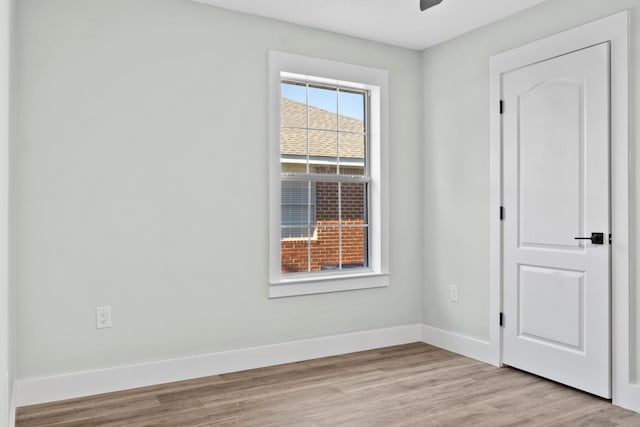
x=596, y=238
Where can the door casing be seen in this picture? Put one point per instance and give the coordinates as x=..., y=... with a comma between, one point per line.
x=613, y=29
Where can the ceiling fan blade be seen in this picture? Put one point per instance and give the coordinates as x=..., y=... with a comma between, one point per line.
x=426, y=4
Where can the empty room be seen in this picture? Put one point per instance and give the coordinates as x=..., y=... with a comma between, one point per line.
x=319, y=212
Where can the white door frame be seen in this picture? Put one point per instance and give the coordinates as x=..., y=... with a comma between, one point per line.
x=613, y=29
x=5, y=84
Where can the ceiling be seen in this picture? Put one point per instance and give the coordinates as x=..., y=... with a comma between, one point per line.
x=395, y=22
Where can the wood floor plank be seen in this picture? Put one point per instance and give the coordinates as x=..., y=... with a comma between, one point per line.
x=408, y=385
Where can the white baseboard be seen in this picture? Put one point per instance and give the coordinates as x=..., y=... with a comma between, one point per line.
x=463, y=345
x=61, y=387
x=12, y=407
x=628, y=397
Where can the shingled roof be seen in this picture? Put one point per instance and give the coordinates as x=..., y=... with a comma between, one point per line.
x=334, y=132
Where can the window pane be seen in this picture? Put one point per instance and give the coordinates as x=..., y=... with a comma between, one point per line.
x=294, y=256
x=325, y=251
x=351, y=113
x=323, y=151
x=351, y=150
x=294, y=91
x=354, y=247
x=295, y=215
x=323, y=108
x=327, y=203
x=353, y=203
x=295, y=192
x=297, y=209
x=293, y=150
x=293, y=105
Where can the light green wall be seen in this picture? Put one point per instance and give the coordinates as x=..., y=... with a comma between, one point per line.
x=141, y=182
x=456, y=158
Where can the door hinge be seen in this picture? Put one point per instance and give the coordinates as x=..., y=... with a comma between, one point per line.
x=501, y=319
x=501, y=106
x=610, y=238
x=501, y=213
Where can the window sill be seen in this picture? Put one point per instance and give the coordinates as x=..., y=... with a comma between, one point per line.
x=322, y=284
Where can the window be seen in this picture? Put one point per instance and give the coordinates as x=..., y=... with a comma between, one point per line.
x=327, y=176
x=324, y=178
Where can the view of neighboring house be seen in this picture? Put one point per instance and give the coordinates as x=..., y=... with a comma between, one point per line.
x=323, y=223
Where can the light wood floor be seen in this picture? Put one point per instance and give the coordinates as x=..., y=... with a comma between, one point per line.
x=413, y=385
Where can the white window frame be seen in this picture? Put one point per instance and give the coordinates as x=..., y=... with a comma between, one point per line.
x=375, y=81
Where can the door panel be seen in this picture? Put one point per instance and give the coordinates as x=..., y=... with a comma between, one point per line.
x=556, y=188
x=551, y=306
x=551, y=118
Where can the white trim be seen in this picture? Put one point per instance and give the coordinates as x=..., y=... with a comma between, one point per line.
x=49, y=389
x=6, y=72
x=324, y=284
x=613, y=29
x=628, y=396
x=495, y=203
x=350, y=163
x=374, y=80
x=12, y=406
x=460, y=344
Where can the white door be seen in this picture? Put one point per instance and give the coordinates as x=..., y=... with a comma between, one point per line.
x=556, y=188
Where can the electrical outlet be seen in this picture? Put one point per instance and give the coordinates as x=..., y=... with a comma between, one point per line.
x=103, y=317
x=453, y=294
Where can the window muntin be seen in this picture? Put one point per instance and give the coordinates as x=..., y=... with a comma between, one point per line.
x=323, y=148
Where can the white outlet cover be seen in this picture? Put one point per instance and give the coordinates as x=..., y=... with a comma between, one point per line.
x=453, y=295
x=103, y=317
